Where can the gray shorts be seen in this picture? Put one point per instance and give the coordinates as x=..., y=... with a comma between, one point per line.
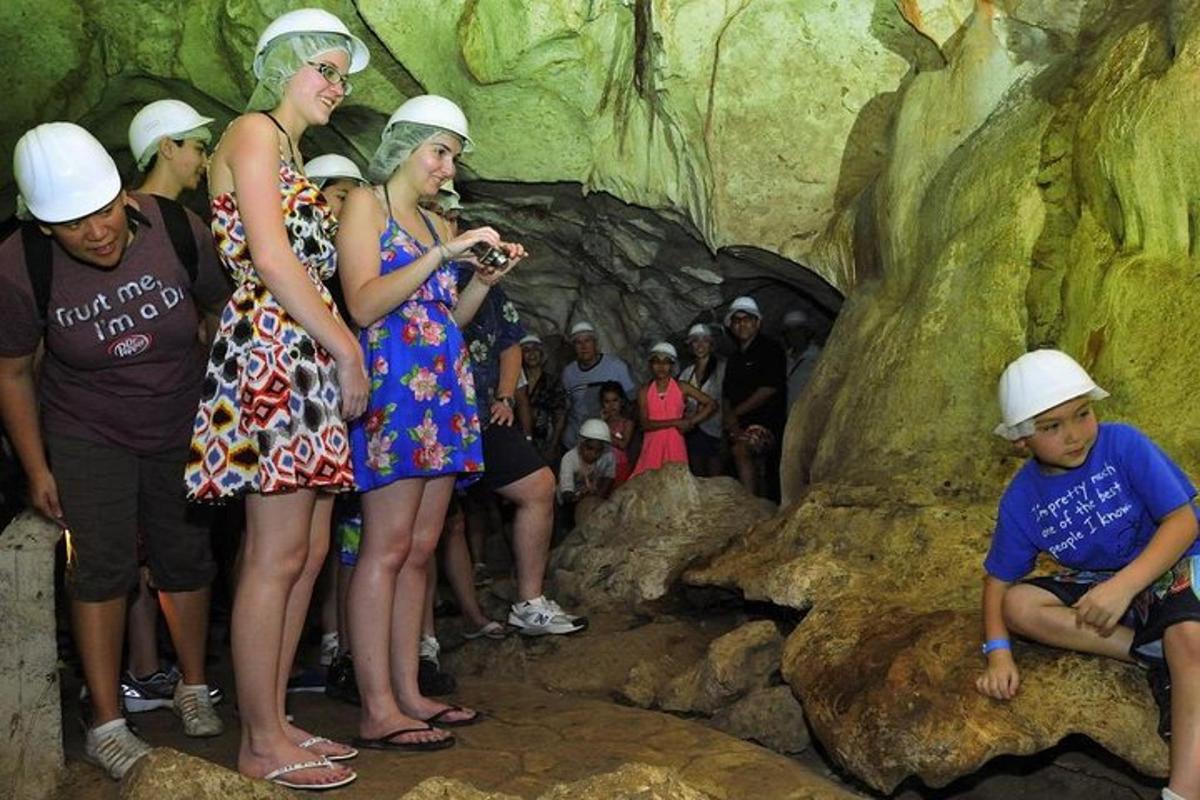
x=109, y=495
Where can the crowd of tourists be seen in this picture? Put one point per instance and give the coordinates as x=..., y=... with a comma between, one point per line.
x=332, y=352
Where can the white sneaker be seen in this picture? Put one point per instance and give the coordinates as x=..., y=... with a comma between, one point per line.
x=539, y=616
x=329, y=648
x=430, y=650
x=114, y=748
x=557, y=609
x=193, y=705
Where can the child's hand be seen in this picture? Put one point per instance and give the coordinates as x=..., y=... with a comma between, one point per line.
x=1102, y=607
x=1000, y=680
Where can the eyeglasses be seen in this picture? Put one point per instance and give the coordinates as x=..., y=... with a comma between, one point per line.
x=332, y=76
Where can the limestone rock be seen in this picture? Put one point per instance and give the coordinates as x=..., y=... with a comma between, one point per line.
x=631, y=550
x=772, y=717
x=630, y=782
x=735, y=663
x=451, y=789
x=170, y=773
x=885, y=661
x=31, y=758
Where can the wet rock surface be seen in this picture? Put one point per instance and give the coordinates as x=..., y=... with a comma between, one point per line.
x=531, y=742
x=630, y=551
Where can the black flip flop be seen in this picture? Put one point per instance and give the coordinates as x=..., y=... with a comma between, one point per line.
x=385, y=742
x=436, y=719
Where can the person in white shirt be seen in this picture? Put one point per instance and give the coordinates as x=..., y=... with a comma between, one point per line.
x=585, y=475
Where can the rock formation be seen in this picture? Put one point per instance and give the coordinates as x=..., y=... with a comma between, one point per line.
x=630, y=551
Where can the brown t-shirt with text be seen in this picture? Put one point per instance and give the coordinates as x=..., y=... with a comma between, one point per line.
x=123, y=363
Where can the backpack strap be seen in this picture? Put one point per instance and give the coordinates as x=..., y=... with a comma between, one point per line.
x=39, y=261
x=179, y=229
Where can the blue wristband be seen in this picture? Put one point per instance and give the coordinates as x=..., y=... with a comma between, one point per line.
x=996, y=644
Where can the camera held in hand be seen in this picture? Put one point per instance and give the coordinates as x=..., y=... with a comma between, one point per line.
x=488, y=256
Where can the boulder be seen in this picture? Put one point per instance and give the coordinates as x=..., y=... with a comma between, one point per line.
x=169, y=773
x=735, y=663
x=886, y=658
x=772, y=717
x=630, y=551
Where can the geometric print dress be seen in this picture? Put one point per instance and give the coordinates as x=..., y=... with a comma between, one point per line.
x=269, y=418
x=422, y=420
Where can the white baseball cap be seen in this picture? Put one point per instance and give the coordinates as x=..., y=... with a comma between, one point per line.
x=743, y=305
x=698, y=331
x=531, y=338
x=581, y=328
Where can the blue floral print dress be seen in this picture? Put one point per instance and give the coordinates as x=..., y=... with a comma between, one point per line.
x=421, y=420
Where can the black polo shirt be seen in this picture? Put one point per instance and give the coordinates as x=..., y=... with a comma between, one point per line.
x=763, y=363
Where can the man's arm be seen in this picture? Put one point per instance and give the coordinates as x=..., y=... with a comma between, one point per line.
x=19, y=411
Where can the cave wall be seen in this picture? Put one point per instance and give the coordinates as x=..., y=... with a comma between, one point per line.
x=978, y=177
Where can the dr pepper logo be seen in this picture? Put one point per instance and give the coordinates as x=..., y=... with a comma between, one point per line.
x=129, y=346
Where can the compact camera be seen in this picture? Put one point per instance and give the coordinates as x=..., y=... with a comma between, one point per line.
x=488, y=256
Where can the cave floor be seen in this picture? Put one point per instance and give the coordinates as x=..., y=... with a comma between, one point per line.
x=553, y=720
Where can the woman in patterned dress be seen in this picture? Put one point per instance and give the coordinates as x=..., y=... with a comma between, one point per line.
x=283, y=374
x=421, y=430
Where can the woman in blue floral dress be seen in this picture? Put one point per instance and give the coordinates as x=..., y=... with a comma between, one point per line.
x=421, y=431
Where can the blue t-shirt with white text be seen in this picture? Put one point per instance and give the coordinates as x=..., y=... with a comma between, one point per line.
x=1097, y=516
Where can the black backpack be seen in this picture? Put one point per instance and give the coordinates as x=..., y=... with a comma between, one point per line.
x=39, y=257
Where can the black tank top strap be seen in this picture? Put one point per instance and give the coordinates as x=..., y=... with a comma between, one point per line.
x=293, y=156
x=387, y=201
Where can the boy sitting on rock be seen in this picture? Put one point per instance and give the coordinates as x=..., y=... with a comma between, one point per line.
x=1106, y=503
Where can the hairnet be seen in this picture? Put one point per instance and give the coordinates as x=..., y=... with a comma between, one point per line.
x=284, y=58
x=200, y=134
x=399, y=142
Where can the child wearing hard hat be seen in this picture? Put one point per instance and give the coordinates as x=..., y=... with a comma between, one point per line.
x=1113, y=509
x=585, y=474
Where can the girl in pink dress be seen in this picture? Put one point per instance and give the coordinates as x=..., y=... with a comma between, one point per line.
x=620, y=427
x=661, y=404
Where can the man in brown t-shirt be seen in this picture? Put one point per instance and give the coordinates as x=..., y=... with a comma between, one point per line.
x=112, y=407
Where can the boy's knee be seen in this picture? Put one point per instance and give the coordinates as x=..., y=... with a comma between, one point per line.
x=1181, y=642
x=1019, y=606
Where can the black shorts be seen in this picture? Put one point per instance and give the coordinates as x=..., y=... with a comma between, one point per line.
x=1171, y=599
x=109, y=496
x=507, y=457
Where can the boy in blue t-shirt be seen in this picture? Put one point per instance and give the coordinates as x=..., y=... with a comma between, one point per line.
x=1108, y=504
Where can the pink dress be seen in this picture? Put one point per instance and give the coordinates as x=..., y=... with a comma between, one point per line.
x=664, y=445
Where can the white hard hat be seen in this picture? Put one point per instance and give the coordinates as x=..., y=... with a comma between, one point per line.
x=664, y=349
x=581, y=328
x=63, y=173
x=595, y=429
x=698, y=331
x=531, y=338
x=1037, y=382
x=331, y=166
x=436, y=112
x=169, y=118
x=310, y=20
x=744, y=305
